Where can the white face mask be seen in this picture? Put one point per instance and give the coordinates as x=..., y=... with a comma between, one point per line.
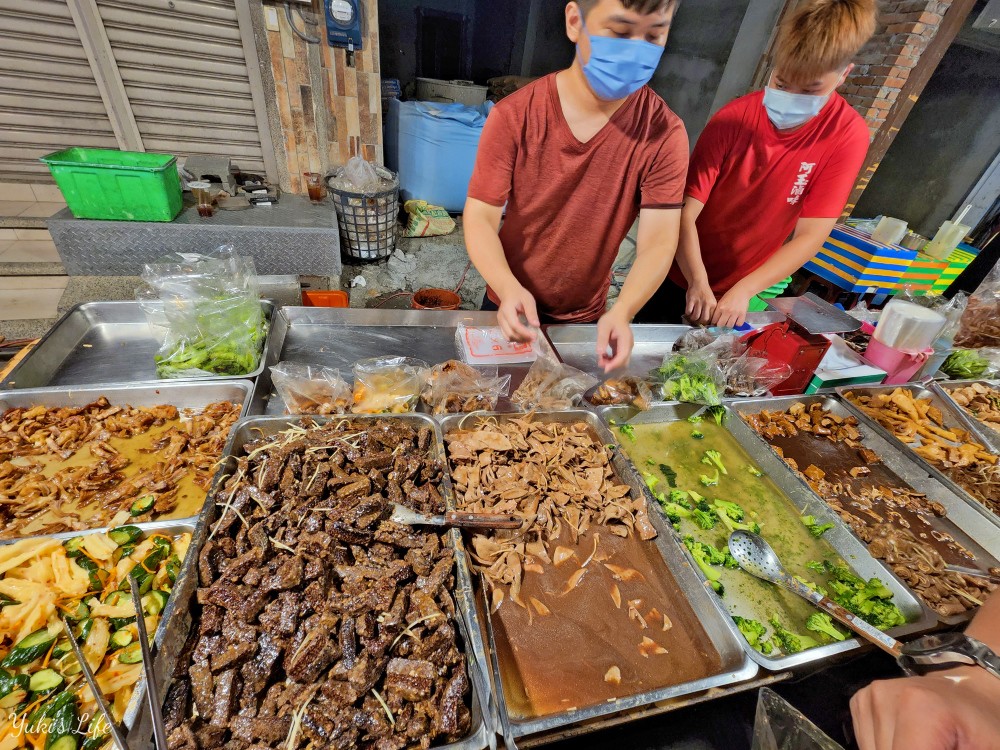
x=788, y=110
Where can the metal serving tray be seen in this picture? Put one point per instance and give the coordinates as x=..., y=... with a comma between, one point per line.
x=576, y=345
x=953, y=415
x=736, y=668
x=338, y=338
x=919, y=617
x=182, y=394
x=989, y=436
x=100, y=342
x=962, y=522
x=137, y=718
x=252, y=428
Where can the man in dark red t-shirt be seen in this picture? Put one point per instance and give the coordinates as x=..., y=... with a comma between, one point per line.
x=575, y=157
x=771, y=172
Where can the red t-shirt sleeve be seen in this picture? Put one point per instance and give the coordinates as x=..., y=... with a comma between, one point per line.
x=663, y=184
x=492, y=175
x=709, y=155
x=831, y=187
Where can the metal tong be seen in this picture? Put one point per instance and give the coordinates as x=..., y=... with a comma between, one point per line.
x=117, y=734
x=455, y=519
x=505, y=729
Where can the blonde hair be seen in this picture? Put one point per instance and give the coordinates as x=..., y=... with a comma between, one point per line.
x=821, y=36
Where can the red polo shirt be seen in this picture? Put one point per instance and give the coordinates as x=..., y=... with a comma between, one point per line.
x=757, y=181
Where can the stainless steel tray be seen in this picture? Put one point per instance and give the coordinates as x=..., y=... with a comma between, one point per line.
x=989, y=436
x=725, y=637
x=185, y=589
x=100, y=342
x=953, y=415
x=919, y=617
x=338, y=338
x=962, y=522
x=576, y=345
x=182, y=394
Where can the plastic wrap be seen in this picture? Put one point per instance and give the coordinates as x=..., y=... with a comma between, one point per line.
x=754, y=376
x=207, y=309
x=980, y=325
x=388, y=385
x=359, y=176
x=454, y=387
x=626, y=389
x=551, y=386
x=311, y=389
x=778, y=726
x=693, y=377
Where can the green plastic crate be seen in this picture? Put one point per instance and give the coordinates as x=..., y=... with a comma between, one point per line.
x=102, y=183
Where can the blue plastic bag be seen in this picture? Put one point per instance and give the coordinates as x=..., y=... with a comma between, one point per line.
x=432, y=147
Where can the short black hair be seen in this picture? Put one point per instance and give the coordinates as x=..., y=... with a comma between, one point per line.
x=643, y=7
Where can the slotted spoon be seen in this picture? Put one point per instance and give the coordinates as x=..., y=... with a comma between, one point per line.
x=757, y=558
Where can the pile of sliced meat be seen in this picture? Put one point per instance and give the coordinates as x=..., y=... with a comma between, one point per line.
x=320, y=622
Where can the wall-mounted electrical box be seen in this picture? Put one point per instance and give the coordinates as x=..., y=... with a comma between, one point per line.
x=343, y=23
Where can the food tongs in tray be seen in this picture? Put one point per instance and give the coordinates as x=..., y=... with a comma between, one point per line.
x=152, y=693
x=505, y=728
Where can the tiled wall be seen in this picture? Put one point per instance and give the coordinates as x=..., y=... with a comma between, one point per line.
x=329, y=110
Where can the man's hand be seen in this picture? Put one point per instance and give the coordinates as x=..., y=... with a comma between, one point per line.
x=614, y=332
x=514, y=303
x=955, y=709
x=701, y=303
x=731, y=311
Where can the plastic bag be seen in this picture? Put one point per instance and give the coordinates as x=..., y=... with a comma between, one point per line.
x=359, y=176
x=486, y=345
x=388, y=384
x=311, y=389
x=455, y=388
x=207, y=310
x=427, y=220
x=693, y=377
x=626, y=389
x=551, y=386
x=754, y=376
x=980, y=325
x=778, y=726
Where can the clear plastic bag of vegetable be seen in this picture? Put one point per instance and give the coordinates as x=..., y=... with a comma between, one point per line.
x=621, y=390
x=207, y=311
x=311, y=389
x=969, y=364
x=551, y=385
x=454, y=387
x=388, y=385
x=754, y=376
x=694, y=378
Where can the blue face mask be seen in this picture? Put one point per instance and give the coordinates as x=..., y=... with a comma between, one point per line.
x=788, y=110
x=619, y=67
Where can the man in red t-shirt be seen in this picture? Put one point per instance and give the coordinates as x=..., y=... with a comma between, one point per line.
x=575, y=157
x=771, y=172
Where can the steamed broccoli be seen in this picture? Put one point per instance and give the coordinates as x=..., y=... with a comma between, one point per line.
x=870, y=600
x=681, y=498
x=697, y=434
x=754, y=470
x=699, y=501
x=674, y=510
x=650, y=480
x=792, y=643
x=718, y=411
x=705, y=519
x=703, y=555
x=728, y=561
x=821, y=622
x=628, y=431
x=816, y=529
x=710, y=481
x=755, y=633
x=733, y=516
x=714, y=458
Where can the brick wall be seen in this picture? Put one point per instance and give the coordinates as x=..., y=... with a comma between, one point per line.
x=883, y=66
x=329, y=111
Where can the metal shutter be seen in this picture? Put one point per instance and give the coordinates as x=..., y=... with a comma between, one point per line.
x=48, y=96
x=185, y=74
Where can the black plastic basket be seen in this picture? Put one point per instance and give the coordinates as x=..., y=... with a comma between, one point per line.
x=367, y=221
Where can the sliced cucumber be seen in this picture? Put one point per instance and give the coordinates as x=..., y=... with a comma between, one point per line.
x=117, y=623
x=81, y=612
x=143, y=505
x=32, y=646
x=83, y=631
x=66, y=742
x=154, y=602
x=74, y=546
x=120, y=638
x=45, y=681
x=62, y=648
x=14, y=698
x=173, y=568
x=144, y=571
x=117, y=598
x=62, y=726
x=131, y=654
x=124, y=535
x=98, y=576
x=124, y=551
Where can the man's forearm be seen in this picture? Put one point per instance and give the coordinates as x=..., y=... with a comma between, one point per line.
x=689, y=258
x=487, y=254
x=985, y=626
x=790, y=258
x=648, y=272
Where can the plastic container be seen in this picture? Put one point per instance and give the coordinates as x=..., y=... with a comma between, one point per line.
x=451, y=92
x=435, y=299
x=889, y=231
x=908, y=327
x=947, y=239
x=119, y=185
x=325, y=298
x=900, y=366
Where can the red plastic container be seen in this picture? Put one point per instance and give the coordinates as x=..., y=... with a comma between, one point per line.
x=325, y=298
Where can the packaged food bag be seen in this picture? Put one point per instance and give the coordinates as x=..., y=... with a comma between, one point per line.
x=551, y=385
x=388, y=385
x=694, y=377
x=311, y=389
x=455, y=388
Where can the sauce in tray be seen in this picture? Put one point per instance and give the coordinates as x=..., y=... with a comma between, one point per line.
x=672, y=445
x=613, y=618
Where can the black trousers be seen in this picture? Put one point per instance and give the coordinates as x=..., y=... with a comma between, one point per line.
x=665, y=306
